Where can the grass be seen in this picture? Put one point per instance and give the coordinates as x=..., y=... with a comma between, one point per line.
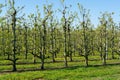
x=110, y=72
x=56, y=71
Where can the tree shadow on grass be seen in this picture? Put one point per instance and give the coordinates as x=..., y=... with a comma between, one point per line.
x=58, y=61
x=57, y=68
x=108, y=64
x=37, y=69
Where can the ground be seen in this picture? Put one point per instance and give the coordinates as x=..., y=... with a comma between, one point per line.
x=57, y=71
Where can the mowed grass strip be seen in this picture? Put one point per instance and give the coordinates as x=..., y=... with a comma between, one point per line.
x=75, y=71
x=72, y=73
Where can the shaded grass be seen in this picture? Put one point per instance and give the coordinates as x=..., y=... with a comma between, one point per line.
x=58, y=64
x=71, y=73
x=57, y=71
x=76, y=71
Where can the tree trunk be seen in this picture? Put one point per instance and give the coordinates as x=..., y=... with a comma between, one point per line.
x=105, y=55
x=113, y=57
x=101, y=52
x=86, y=60
x=26, y=42
x=14, y=66
x=104, y=59
x=113, y=42
x=42, y=64
x=65, y=51
x=53, y=57
x=44, y=44
x=34, y=60
x=14, y=41
x=65, y=60
x=71, y=57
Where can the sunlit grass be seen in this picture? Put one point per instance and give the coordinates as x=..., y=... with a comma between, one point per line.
x=72, y=73
x=56, y=71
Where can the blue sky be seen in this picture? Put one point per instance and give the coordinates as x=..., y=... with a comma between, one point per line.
x=95, y=6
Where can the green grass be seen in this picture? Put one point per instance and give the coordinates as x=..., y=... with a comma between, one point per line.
x=56, y=71
x=73, y=73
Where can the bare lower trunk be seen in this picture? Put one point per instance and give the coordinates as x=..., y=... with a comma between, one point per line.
x=71, y=58
x=113, y=55
x=53, y=57
x=14, y=66
x=65, y=60
x=104, y=59
x=8, y=56
x=26, y=55
x=86, y=60
x=101, y=54
x=42, y=64
x=34, y=60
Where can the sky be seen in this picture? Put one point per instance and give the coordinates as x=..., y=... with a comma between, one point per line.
x=95, y=6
